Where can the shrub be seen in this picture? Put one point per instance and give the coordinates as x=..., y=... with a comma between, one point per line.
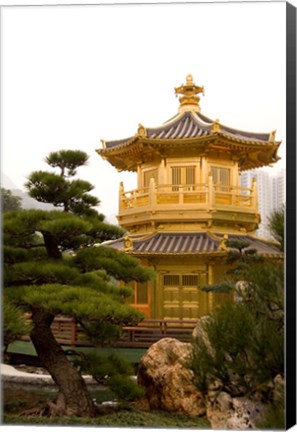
x=125, y=388
x=244, y=344
x=15, y=324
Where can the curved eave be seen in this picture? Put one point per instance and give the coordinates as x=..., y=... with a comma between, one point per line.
x=253, y=153
x=222, y=254
x=206, y=139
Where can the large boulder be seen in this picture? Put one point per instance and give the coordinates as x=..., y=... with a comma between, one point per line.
x=168, y=381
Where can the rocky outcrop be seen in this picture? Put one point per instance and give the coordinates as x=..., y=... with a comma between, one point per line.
x=225, y=412
x=199, y=332
x=167, y=380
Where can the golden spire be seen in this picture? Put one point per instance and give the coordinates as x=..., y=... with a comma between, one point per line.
x=189, y=100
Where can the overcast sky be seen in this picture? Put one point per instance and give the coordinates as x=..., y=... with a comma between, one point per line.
x=73, y=75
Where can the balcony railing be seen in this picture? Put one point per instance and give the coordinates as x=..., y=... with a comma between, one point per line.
x=203, y=195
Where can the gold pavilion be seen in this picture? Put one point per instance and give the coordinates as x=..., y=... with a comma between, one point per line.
x=188, y=202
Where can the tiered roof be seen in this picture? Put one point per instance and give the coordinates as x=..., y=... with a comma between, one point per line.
x=192, y=133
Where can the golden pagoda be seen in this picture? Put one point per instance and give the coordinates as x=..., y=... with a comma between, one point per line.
x=188, y=202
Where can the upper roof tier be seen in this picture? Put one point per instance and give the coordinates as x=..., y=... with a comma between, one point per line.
x=191, y=133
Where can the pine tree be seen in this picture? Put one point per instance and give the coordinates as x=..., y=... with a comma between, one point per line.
x=54, y=265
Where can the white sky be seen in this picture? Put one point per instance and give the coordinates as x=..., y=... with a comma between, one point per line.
x=72, y=75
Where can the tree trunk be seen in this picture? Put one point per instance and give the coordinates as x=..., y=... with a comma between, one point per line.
x=72, y=388
x=51, y=246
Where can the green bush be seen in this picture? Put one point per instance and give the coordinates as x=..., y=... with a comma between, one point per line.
x=15, y=324
x=243, y=345
x=112, y=371
x=230, y=333
x=125, y=388
x=103, y=368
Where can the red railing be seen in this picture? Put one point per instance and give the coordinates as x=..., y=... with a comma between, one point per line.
x=150, y=331
x=68, y=332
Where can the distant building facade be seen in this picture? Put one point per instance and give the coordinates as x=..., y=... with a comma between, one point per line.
x=271, y=194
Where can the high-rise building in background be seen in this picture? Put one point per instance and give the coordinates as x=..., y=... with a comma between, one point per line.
x=271, y=194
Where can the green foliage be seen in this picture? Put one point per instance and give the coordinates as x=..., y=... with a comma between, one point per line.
x=112, y=371
x=239, y=259
x=15, y=324
x=225, y=286
x=229, y=333
x=58, y=189
x=243, y=345
x=67, y=161
x=84, y=303
x=53, y=265
x=238, y=245
x=47, y=188
x=26, y=229
x=276, y=225
x=45, y=272
x=101, y=333
x=50, y=260
x=9, y=202
x=125, y=388
x=103, y=368
x=118, y=264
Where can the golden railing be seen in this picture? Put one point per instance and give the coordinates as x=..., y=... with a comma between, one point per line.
x=201, y=195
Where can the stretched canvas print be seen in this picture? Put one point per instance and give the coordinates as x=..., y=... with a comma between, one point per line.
x=148, y=215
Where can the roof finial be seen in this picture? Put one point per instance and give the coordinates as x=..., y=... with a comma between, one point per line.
x=189, y=101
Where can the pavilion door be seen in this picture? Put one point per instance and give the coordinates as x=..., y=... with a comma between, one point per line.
x=182, y=298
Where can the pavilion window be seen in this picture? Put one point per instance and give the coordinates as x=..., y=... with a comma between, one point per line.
x=184, y=176
x=221, y=178
x=148, y=175
x=171, y=280
x=186, y=280
x=190, y=280
x=140, y=295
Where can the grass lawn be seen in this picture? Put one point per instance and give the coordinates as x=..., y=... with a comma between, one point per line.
x=16, y=400
x=132, y=355
x=123, y=418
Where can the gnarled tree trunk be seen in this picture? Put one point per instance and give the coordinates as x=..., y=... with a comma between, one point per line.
x=74, y=398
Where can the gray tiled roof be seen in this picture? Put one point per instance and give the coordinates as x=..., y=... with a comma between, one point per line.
x=177, y=243
x=194, y=243
x=185, y=126
x=190, y=125
x=193, y=125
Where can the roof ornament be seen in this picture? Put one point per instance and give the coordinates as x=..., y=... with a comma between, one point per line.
x=222, y=245
x=189, y=101
x=272, y=136
x=141, y=131
x=128, y=244
x=216, y=127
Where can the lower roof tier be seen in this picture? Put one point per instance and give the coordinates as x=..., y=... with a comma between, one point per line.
x=199, y=243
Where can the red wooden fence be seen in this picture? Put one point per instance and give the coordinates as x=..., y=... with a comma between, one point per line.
x=68, y=332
